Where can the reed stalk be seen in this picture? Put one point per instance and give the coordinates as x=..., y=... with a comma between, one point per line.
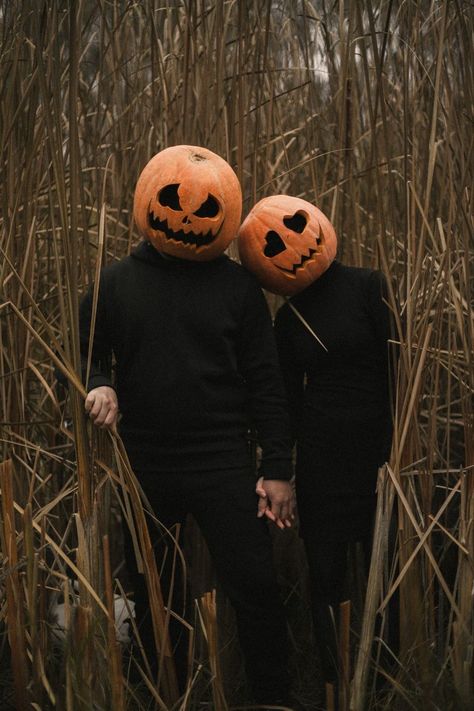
x=209, y=621
x=363, y=108
x=114, y=651
x=14, y=597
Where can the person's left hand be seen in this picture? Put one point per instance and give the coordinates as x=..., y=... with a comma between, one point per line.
x=276, y=501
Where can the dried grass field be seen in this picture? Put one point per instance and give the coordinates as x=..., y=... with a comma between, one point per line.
x=365, y=109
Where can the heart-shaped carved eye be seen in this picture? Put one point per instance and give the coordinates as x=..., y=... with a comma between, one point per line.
x=168, y=197
x=209, y=208
x=274, y=245
x=296, y=222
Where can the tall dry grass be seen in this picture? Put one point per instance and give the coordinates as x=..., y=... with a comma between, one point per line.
x=364, y=108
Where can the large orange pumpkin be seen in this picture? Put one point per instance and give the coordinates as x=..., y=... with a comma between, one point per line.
x=287, y=243
x=188, y=203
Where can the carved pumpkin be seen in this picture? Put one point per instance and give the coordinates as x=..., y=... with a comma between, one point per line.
x=287, y=243
x=188, y=203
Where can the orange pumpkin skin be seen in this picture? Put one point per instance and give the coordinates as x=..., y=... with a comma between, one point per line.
x=188, y=203
x=287, y=243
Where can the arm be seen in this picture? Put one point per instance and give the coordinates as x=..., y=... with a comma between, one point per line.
x=101, y=402
x=293, y=379
x=258, y=364
x=292, y=371
x=378, y=307
x=384, y=323
x=385, y=330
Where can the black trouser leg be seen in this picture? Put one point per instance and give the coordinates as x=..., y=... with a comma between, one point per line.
x=172, y=518
x=327, y=563
x=225, y=508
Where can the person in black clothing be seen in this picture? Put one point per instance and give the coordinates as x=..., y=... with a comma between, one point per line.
x=195, y=367
x=338, y=388
x=340, y=409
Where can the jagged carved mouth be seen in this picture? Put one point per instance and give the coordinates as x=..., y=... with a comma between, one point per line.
x=304, y=259
x=190, y=238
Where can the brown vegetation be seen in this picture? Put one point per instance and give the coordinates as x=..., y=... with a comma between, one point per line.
x=362, y=108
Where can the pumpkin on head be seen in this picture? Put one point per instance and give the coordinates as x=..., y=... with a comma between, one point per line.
x=188, y=203
x=287, y=243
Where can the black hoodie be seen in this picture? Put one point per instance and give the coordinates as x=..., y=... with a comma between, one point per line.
x=195, y=363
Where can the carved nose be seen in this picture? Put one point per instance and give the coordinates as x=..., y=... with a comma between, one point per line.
x=186, y=221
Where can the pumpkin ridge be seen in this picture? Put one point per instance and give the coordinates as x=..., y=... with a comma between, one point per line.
x=200, y=216
x=305, y=232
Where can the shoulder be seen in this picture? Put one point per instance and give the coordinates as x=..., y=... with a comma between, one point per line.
x=109, y=275
x=359, y=275
x=236, y=271
x=369, y=281
x=118, y=267
x=116, y=272
x=372, y=290
x=238, y=277
x=285, y=318
x=243, y=292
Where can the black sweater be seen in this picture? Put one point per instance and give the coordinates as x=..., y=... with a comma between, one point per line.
x=339, y=399
x=195, y=363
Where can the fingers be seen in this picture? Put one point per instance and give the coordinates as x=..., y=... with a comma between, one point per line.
x=277, y=521
x=101, y=404
x=111, y=417
x=264, y=509
x=89, y=400
x=279, y=501
x=262, y=506
x=260, y=489
x=285, y=510
x=281, y=516
x=262, y=500
x=99, y=411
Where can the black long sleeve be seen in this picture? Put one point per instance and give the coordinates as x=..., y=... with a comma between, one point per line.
x=292, y=369
x=258, y=363
x=101, y=356
x=195, y=363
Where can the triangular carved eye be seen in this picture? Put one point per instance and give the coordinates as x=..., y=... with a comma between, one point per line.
x=274, y=245
x=209, y=208
x=296, y=222
x=168, y=197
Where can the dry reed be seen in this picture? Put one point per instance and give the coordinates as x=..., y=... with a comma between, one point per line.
x=361, y=107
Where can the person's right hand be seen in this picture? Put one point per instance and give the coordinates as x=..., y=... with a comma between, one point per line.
x=102, y=406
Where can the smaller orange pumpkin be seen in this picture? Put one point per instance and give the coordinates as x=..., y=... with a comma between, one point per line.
x=188, y=203
x=287, y=243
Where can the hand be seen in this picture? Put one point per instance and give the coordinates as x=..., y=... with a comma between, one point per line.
x=276, y=501
x=102, y=406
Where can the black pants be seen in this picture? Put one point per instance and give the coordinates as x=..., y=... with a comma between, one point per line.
x=327, y=564
x=224, y=504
